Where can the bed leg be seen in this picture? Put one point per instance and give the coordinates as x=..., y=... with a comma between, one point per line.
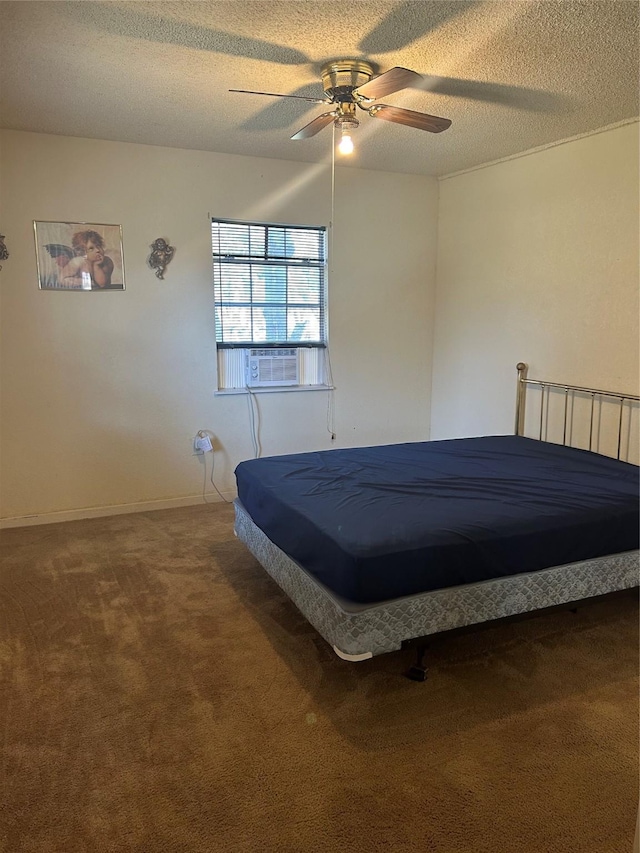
x=418, y=672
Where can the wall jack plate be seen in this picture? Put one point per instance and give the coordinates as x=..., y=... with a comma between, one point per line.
x=202, y=444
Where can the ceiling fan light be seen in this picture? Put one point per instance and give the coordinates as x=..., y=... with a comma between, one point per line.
x=346, y=143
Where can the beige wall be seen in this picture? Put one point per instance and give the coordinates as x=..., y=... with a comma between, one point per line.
x=102, y=393
x=537, y=262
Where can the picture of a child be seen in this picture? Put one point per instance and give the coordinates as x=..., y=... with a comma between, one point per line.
x=90, y=268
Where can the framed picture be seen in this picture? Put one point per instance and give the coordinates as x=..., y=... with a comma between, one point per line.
x=79, y=256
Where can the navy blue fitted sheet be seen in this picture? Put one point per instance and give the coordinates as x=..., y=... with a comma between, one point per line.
x=376, y=523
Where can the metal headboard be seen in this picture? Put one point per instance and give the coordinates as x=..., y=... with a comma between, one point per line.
x=572, y=390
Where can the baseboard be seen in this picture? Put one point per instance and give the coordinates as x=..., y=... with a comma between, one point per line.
x=116, y=509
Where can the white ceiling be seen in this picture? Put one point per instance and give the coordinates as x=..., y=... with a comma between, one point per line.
x=511, y=75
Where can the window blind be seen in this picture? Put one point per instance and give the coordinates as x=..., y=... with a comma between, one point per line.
x=269, y=284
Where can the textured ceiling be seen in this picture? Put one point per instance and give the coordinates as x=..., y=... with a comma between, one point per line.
x=511, y=75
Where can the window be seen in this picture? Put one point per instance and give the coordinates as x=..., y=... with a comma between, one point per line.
x=270, y=292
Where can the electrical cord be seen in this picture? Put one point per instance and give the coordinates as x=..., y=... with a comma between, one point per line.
x=254, y=422
x=204, y=484
x=331, y=405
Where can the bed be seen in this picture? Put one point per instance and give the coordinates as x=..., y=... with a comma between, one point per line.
x=382, y=547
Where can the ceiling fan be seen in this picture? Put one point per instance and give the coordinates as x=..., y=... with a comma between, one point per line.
x=350, y=84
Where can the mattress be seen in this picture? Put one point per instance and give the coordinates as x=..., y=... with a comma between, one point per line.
x=357, y=631
x=379, y=523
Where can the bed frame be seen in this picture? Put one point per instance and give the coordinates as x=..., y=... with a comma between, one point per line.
x=359, y=631
x=622, y=402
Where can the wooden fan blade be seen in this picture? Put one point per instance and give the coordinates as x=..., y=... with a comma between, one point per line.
x=434, y=124
x=314, y=126
x=391, y=81
x=274, y=95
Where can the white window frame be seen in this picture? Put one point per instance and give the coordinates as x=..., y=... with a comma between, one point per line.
x=232, y=355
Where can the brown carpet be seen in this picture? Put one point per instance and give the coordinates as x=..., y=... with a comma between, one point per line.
x=160, y=693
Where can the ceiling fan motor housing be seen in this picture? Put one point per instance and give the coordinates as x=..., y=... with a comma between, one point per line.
x=341, y=77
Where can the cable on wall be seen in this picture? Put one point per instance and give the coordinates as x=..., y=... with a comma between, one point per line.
x=204, y=484
x=331, y=409
x=254, y=422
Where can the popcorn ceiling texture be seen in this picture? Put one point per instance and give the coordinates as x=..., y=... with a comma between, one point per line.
x=511, y=75
x=160, y=694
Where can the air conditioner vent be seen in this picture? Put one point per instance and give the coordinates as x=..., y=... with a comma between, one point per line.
x=271, y=367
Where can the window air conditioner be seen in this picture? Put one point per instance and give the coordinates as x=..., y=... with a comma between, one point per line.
x=266, y=368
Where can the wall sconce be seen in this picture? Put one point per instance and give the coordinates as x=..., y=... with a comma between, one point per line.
x=161, y=254
x=4, y=252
